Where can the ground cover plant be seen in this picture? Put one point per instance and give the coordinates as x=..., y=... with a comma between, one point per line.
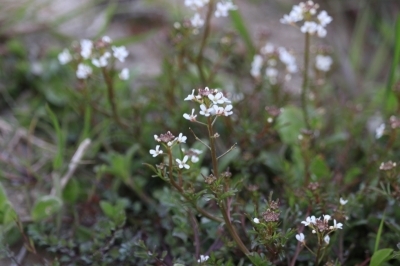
x=241, y=151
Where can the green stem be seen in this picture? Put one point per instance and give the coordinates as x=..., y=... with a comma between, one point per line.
x=207, y=27
x=111, y=98
x=224, y=205
x=304, y=86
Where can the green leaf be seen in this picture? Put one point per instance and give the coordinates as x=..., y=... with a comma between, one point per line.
x=3, y=195
x=380, y=256
x=240, y=26
x=71, y=191
x=379, y=234
x=9, y=214
x=45, y=207
x=58, y=159
x=289, y=124
x=319, y=167
x=395, y=63
x=107, y=208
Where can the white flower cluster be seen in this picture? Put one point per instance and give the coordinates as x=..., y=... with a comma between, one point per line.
x=323, y=62
x=212, y=103
x=273, y=58
x=313, y=23
x=320, y=225
x=203, y=258
x=96, y=54
x=170, y=140
x=222, y=10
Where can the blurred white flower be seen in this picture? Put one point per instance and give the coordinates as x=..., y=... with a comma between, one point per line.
x=195, y=4
x=203, y=259
x=323, y=62
x=181, y=138
x=86, y=48
x=336, y=225
x=343, y=201
x=197, y=21
x=309, y=220
x=64, y=57
x=223, y=8
x=106, y=39
x=191, y=117
x=327, y=239
x=102, y=61
x=124, y=74
x=156, y=152
x=300, y=237
x=256, y=220
x=256, y=66
x=379, y=131
x=182, y=163
x=324, y=18
x=205, y=111
x=120, y=53
x=83, y=71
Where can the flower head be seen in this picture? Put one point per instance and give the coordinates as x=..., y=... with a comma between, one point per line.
x=182, y=163
x=309, y=220
x=327, y=239
x=64, y=57
x=120, y=53
x=191, y=117
x=124, y=75
x=156, y=152
x=86, y=48
x=336, y=225
x=197, y=21
x=83, y=71
x=223, y=8
x=323, y=62
x=181, y=138
x=203, y=259
x=256, y=220
x=343, y=201
x=300, y=237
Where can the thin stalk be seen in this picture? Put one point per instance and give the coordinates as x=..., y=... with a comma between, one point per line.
x=304, y=86
x=182, y=192
x=111, y=98
x=224, y=205
x=207, y=27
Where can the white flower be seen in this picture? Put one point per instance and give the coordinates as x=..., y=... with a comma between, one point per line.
x=309, y=220
x=190, y=97
x=336, y=225
x=102, y=61
x=195, y=4
x=86, y=48
x=227, y=110
x=326, y=217
x=256, y=220
x=191, y=117
x=203, y=259
x=324, y=18
x=323, y=62
x=327, y=239
x=271, y=72
x=194, y=159
x=256, y=66
x=157, y=138
x=124, y=75
x=197, y=21
x=218, y=98
x=120, y=53
x=321, y=31
x=181, y=138
x=379, y=131
x=343, y=201
x=217, y=110
x=106, y=39
x=64, y=57
x=295, y=15
x=205, y=111
x=223, y=9
x=156, y=152
x=310, y=27
x=83, y=71
x=300, y=237
x=268, y=48
x=183, y=164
